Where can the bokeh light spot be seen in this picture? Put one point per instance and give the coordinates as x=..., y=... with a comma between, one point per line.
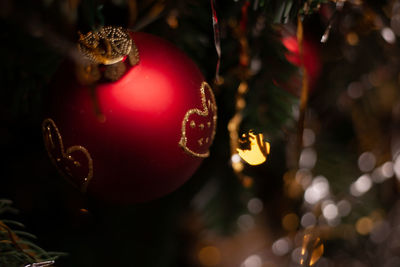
x=318, y=190
x=281, y=247
x=330, y=211
x=252, y=261
x=355, y=90
x=380, y=232
x=364, y=225
x=255, y=205
x=308, y=137
x=308, y=220
x=388, y=35
x=209, y=256
x=361, y=186
x=308, y=158
x=245, y=222
x=290, y=222
x=344, y=207
x=352, y=38
x=387, y=169
x=366, y=161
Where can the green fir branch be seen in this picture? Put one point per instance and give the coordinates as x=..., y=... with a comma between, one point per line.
x=16, y=247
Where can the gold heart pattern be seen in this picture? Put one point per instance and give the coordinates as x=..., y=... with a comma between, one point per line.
x=198, y=125
x=75, y=163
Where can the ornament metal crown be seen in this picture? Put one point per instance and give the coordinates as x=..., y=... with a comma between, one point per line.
x=106, y=46
x=109, y=46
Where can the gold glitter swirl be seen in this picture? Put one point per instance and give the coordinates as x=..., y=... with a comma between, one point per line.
x=207, y=107
x=55, y=144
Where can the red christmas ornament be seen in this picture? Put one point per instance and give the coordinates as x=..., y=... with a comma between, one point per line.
x=312, y=63
x=139, y=137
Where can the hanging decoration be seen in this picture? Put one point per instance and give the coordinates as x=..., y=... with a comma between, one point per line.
x=136, y=122
x=217, y=41
x=256, y=149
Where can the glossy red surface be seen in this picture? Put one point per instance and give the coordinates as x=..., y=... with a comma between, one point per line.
x=135, y=147
x=311, y=58
x=312, y=63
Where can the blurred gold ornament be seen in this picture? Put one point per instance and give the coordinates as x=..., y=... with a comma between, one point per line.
x=312, y=250
x=258, y=151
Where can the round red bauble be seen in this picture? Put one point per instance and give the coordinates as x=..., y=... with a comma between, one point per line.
x=312, y=63
x=138, y=138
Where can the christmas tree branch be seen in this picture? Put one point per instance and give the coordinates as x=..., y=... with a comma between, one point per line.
x=16, y=249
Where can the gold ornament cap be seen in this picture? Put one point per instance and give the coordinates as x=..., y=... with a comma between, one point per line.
x=109, y=46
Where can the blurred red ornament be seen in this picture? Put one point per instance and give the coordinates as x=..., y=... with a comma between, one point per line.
x=312, y=63
x=137, y=138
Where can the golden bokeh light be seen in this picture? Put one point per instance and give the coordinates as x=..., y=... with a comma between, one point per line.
x=364, y=225
x=352, y=38
x=247, y=181
x=237, y=166
x=290, y=222
x=209, y=256
x=172, y=20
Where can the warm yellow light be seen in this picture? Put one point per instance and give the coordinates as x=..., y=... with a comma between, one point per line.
x=364, y=225
x=352, y=38
x=317, y=254
x=247, y=181
x=172, y=19
x=311, y=251
x=257, y=154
